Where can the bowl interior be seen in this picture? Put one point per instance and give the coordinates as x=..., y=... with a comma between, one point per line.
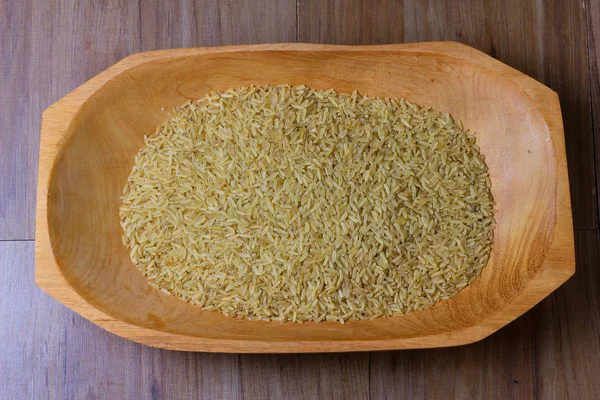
x=104, y=137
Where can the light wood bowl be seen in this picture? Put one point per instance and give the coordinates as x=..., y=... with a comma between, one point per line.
x=89, y=139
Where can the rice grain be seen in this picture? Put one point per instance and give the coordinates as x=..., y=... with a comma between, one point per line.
x=292, y=204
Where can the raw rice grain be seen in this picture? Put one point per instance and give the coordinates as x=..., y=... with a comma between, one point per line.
x=291, y=204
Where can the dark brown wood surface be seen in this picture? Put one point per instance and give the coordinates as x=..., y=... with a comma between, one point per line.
x=49, y=48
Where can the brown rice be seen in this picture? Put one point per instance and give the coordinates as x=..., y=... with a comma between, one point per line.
x=292, y=204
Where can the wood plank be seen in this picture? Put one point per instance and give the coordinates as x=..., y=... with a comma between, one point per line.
x=592, y=8
x=545, y=40
x=216, y=23
x=350, y=22
x=18, y=132
x=30, y=357
x=566, y=329
x=52, y=47
x=498, y=367
x=305, y=376
x=101, y=38
x=551, y=352
x=248, y=21
x=47, y=351
x=49, y=48
x=37, y=334
x=122, y=369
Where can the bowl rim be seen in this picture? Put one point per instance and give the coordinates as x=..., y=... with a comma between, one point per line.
x=557, y=267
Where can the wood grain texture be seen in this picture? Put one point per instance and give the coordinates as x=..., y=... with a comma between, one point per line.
x=501, y=366
x=48, y=49
x=354, y=22
x=46, y=351
x=51, y=47
x=90, y=139
x=19, y=130
x=551, y=352
x=191, y=23
x=546, y=40
x=305, y=376
x=593, y=38
x=566, y=330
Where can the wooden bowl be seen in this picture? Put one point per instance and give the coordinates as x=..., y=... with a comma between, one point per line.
x=90, y=137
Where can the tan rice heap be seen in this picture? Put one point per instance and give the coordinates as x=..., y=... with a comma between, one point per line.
x=291, y=204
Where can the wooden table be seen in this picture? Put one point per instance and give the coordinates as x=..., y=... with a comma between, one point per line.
x=49, y=48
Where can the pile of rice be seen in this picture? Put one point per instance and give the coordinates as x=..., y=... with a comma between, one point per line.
x=292, y=204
